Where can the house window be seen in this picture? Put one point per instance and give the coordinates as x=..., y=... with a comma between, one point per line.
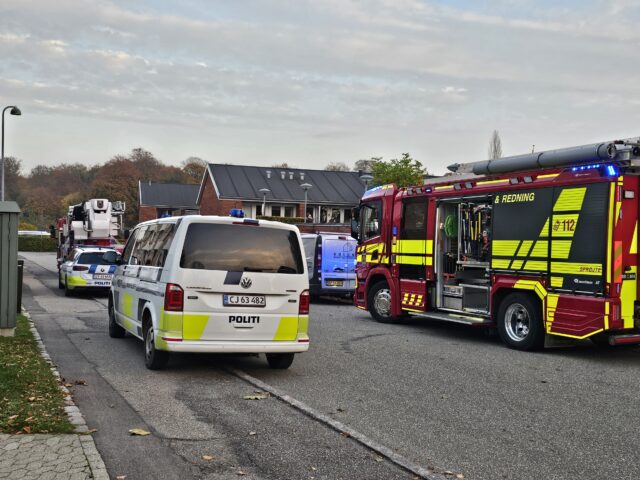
x=310, y=214
x=275, y=210
x=347, y=215
x=289, y=212
x=258, y=210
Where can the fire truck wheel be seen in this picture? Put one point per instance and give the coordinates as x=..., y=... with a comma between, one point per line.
x=380, y=303
x=520, y=322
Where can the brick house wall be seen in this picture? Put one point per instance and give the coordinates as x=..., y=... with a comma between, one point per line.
x=146, y=212
x=210, y=204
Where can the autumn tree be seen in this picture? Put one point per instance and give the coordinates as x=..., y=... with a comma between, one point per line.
x=193, y=168
x=404, y=171
x=13, y=180
x=495, y=146
x=337, y=167
x=118, y=180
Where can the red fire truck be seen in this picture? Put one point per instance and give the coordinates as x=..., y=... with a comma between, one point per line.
x=537, y=245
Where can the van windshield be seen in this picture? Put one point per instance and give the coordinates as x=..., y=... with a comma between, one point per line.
x=240, y=248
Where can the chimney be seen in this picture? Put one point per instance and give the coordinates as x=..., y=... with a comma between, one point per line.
x=268, y=173
x=290, y=175
x=283, y=175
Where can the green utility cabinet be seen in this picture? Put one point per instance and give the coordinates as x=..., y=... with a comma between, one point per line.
x=9, y=213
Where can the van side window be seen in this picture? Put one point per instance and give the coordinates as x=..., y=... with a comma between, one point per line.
x=161, y=244
x=371, y=216
x=128, y=248
x=138, y=252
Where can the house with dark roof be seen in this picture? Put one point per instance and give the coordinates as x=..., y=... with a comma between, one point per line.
x=161, y=199
x=280, y=192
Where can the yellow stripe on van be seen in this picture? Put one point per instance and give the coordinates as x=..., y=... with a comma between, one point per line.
x=127, y=304
x=193, y=326
x=287, y=330
x=303, y=325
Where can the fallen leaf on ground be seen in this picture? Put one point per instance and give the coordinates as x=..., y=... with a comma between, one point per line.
x=255, y=397
x=345, y=434
x=208, y=458
x=379, y=458
x=252, y=433
x=68, y=385
x=93, y=430
x=81, y=382
x=13, y=417
x=460, y=476
x=240, y=472
x=339, y=409
x=139, y=431
x=32, y=399
x=121, y=477
x=26, y=429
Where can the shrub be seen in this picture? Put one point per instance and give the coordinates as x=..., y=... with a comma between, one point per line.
x=37, y=244
x=26, y=226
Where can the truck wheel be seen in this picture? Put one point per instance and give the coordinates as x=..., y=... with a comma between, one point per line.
x=154, y=359
x=280, y=361
x=379, y=301
x=520, y=322
x=115, y=330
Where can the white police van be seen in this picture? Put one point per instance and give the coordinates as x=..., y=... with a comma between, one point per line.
x=212, y=284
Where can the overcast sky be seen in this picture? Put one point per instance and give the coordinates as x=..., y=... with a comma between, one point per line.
x=311, y=82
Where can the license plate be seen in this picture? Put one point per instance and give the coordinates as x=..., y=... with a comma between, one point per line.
x=334, y=283
x=244, y=300
x=102, y=276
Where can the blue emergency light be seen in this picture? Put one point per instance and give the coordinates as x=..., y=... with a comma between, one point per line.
x=605, y=170
x=236, y=212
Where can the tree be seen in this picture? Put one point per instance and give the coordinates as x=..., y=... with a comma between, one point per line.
x=337, y=167
x=495, y=146
x=281, y=165
x=404, y=171
x=193, y=169
x=13, y=179
x=366, y=165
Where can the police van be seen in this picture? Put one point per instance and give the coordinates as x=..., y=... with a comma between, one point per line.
x=331, y=263
x=212, y=284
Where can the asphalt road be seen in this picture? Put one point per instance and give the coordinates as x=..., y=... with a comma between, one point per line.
x=446, y=397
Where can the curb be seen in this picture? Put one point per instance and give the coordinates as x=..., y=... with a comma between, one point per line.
x=97, y=466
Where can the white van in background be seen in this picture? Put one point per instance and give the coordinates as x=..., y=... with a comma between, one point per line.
x=213, y=284
x=331, y=263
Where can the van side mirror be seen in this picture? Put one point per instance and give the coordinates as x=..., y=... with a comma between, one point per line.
x=354, y=228
x=112, y=258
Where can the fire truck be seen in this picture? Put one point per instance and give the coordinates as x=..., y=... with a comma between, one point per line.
x=539, y=246
x=96, y=222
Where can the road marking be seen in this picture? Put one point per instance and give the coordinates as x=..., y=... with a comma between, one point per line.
x=422, y=472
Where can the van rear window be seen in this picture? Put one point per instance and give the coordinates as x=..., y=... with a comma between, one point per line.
x=239, y=248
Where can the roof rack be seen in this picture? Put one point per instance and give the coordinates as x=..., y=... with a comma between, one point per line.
x=613, y=151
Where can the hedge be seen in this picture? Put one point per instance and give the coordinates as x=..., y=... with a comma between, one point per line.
x=37, y=244
x=294, y=220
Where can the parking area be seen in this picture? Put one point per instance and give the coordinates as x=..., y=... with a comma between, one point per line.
x=446, y=397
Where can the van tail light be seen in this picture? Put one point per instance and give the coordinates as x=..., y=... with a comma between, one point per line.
x=80, y=268
x=303, y=308
x=173, y=298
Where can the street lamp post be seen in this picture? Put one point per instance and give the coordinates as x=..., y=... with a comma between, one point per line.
x=264, y=192
x=14, y=111
x=366, y=178
x=305, y=187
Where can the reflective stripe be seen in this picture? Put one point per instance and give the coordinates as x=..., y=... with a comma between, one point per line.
x=634, y=240
x=493, y=182
x=193, y=326
x=505, y=248
x=414, y=260
x=500, y=263
x=552, y=305
x=517, y=264
x=557, y=282
x=535, y=265
x=287, y=329
x=523, y=251
x=76, y=281
x=127, y=304
x=540, y=249
x=576, y=268
x=545, y=229
x=532, y=285
x=412, y=246
x=570, y=199
x=560, y=248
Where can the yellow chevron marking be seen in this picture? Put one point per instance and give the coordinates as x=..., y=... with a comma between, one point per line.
x=570, y=199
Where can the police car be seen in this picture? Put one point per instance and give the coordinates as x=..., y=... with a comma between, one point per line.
x=86, y=268
x=212, y=284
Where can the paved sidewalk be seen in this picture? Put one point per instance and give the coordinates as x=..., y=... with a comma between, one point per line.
x=50, y=457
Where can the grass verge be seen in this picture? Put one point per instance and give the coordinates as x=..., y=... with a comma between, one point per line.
x=32, y=401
